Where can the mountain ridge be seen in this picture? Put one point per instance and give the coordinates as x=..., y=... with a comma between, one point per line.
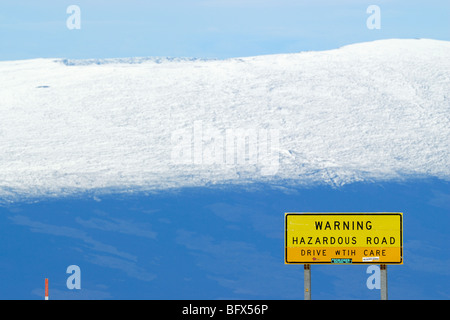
x=363, y=112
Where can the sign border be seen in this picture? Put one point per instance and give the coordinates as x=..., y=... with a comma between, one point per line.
x=400, y=214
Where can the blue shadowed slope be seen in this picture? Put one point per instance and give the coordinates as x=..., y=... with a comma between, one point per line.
x=203, y=243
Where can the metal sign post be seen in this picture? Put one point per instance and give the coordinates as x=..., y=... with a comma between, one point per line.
x=339, y=238
x=383, y=282
x=307, y=280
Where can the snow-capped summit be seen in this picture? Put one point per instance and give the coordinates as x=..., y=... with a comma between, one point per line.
x=368, y=111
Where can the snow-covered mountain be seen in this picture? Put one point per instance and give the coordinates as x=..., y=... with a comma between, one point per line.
x=371, y=111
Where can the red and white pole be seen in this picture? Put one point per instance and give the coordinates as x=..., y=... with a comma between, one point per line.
x=46, y=288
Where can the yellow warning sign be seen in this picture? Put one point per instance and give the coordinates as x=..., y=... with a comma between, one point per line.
x=341, y=238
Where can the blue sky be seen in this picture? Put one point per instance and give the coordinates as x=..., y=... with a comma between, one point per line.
x=207, y=28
